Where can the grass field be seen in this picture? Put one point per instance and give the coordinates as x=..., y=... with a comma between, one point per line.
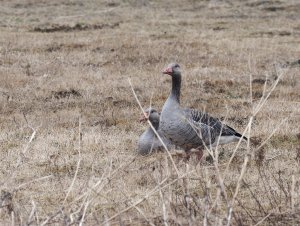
x=69, y=120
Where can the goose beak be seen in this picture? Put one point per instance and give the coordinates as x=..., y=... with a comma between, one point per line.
x=144, y=117
x=168, y=71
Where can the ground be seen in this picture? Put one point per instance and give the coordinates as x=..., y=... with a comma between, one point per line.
x=69, y=119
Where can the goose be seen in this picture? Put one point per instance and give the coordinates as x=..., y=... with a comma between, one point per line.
x=148, y=141
x=189, y=128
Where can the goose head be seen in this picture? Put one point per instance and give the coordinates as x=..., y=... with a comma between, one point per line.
x=152, y=114
x=172, y=69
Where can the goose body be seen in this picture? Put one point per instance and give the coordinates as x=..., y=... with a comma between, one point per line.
x=148, y=141
x=190, y=128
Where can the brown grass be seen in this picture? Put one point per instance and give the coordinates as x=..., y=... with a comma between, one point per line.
x=68, y=118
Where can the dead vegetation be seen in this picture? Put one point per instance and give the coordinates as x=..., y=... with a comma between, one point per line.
x=76, y=27
x=69, y=120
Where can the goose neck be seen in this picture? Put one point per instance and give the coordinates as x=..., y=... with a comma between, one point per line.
x=176, y=85
x=155, y=124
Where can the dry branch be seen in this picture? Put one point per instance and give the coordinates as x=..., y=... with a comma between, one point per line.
x=154, y=130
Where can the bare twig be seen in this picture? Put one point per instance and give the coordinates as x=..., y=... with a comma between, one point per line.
x=293, y=194
x=273, y=157
x=84, y=212
x=165, y=216
x=78, y=163
x=262, y=220
x=154, y=130
x=21, y=157
x=238, y=184
x=264, y=99
x=32, y=212
x=34, y=180
x=30, y=139
x=254, y=113
x=137, y=208
x=153, y=191
x=272, y=133
x=145, y=217
x=247, y=156
x=12, y=218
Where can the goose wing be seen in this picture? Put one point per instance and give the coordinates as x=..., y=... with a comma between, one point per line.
x=207, y=127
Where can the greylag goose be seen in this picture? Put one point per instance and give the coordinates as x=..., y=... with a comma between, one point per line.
x=148, y=141
x=190, y=128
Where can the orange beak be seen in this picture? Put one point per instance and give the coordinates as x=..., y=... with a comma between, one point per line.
x=144, y=117
x=168, y=71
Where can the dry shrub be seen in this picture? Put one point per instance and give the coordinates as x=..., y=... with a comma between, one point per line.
x=68, y=117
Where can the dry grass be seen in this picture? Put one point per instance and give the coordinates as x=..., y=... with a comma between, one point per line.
x=68, y=118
